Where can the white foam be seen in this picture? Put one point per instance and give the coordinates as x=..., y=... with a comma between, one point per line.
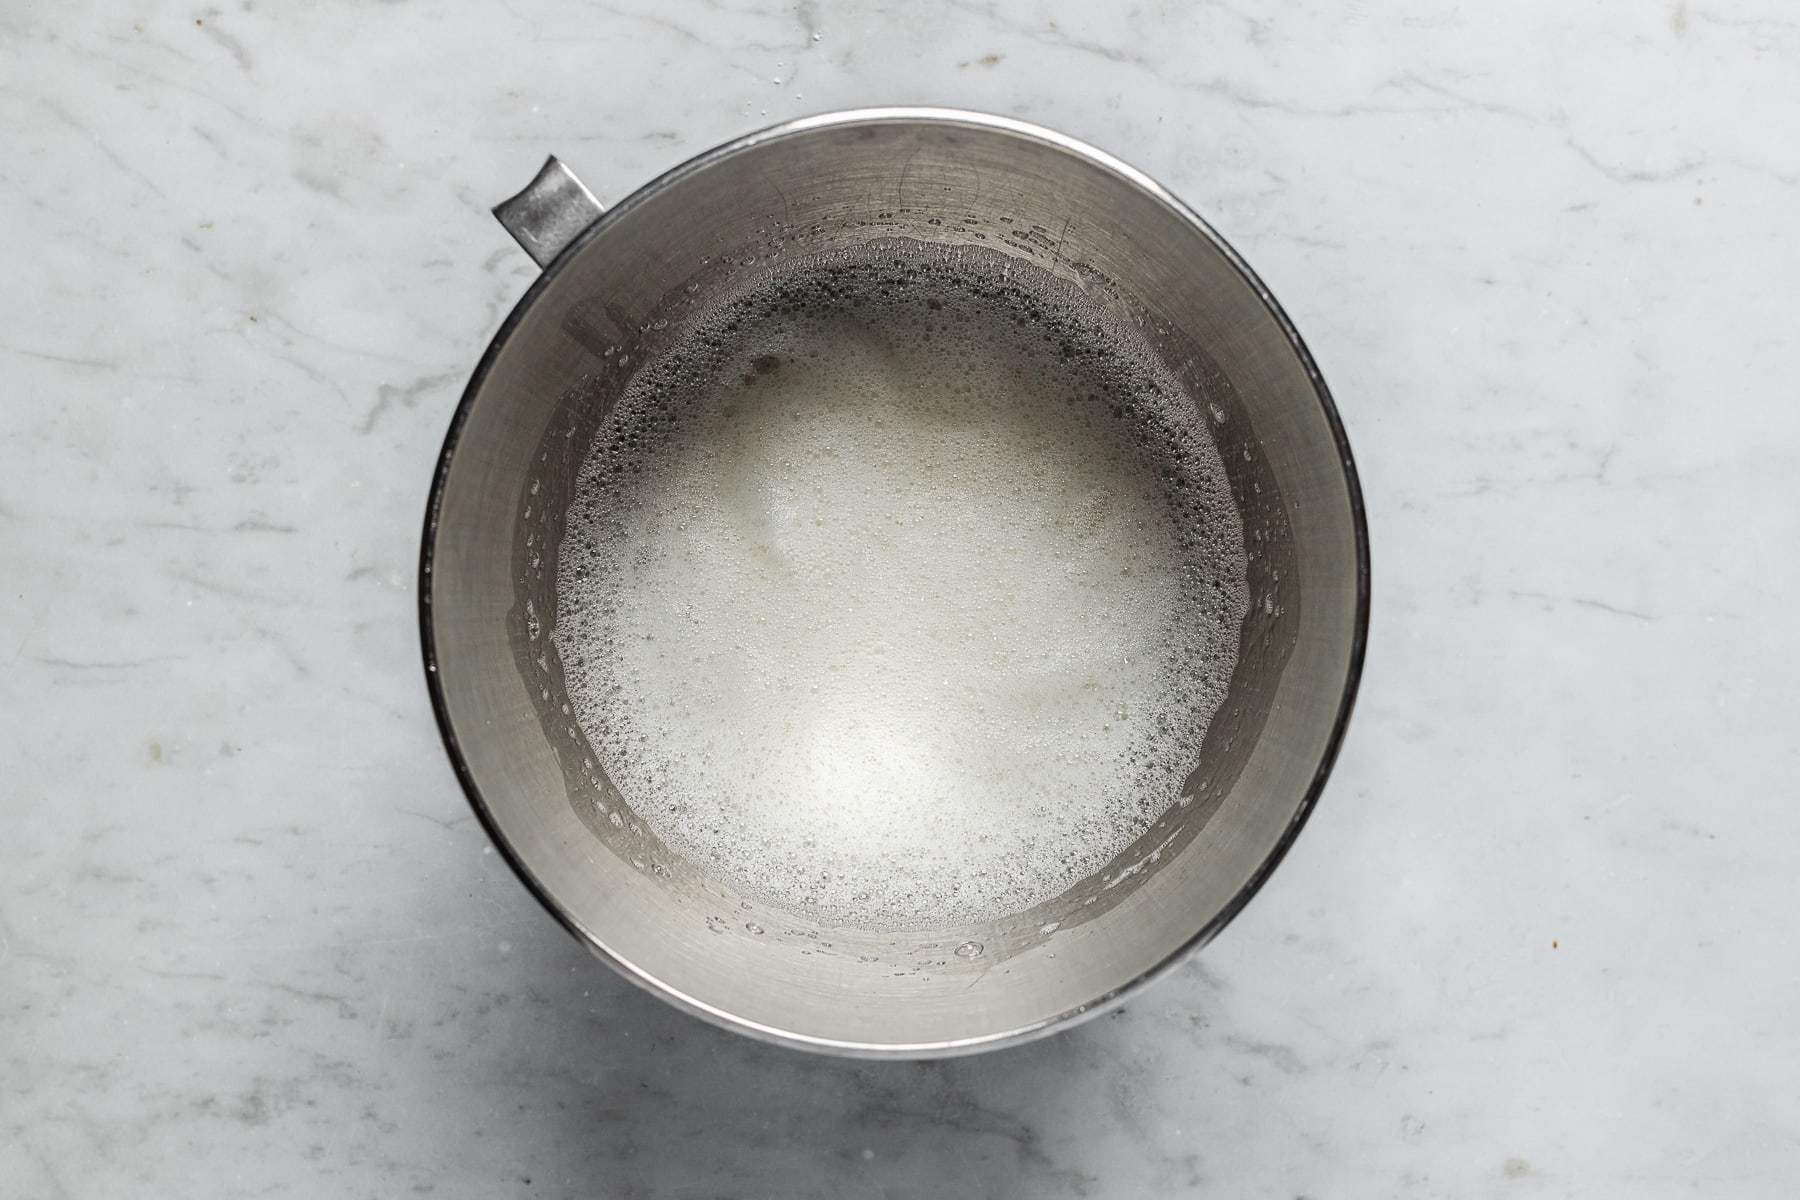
x=895, y=613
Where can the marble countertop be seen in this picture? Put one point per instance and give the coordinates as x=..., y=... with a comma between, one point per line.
x=1541, y=939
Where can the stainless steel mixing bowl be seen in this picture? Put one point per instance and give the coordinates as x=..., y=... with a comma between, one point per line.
x=611, y=294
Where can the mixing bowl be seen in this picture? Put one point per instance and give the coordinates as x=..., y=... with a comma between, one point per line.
x=609, y=299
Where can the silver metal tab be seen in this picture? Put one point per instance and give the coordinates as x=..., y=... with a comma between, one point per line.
x=550, y=213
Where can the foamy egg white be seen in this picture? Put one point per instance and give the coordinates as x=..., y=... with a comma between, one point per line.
x=902, y=598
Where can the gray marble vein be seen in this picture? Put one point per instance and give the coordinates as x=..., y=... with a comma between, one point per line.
x=1542, y=938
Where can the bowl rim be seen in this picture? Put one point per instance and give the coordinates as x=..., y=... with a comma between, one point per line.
x=723, y=1018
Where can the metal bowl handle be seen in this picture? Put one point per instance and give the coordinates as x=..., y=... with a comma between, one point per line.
x=550, y=213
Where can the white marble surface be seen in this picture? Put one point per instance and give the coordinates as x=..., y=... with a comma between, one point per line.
x=1542, y=938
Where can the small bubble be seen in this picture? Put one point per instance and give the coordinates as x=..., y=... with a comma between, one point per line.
x=969, y=950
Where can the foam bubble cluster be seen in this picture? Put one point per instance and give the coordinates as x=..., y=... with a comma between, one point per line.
x=900, y=594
